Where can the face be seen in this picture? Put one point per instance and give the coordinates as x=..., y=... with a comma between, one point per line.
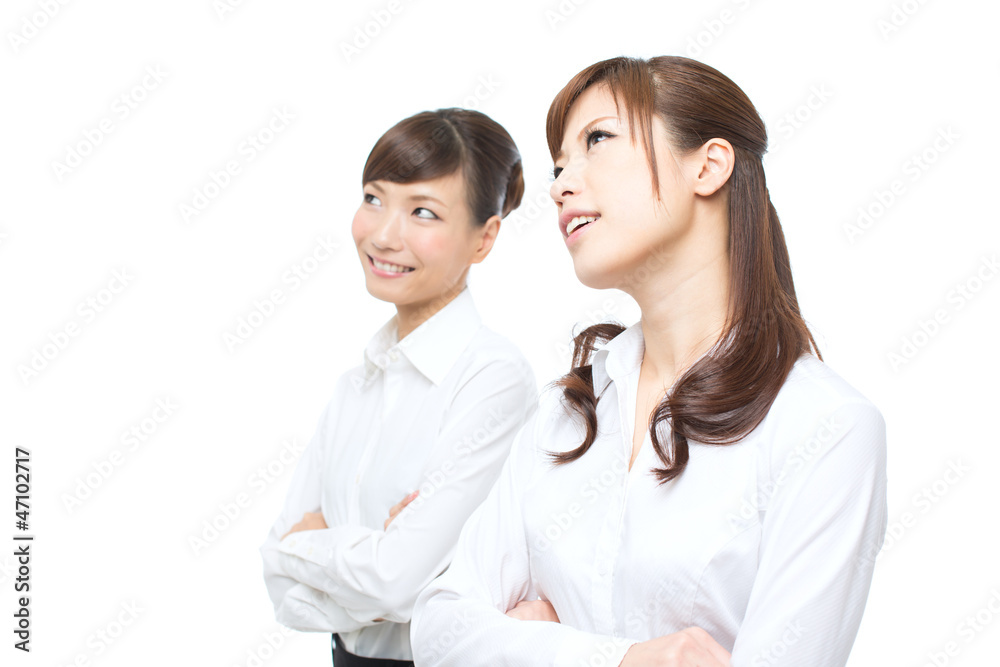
x=416, y=240
x=601, y=174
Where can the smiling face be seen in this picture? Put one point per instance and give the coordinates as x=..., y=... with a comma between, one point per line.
x=417, y=240
x=601, y=174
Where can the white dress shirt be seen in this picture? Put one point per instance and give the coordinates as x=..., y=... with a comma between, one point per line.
x=438, y=412
x=768, y=544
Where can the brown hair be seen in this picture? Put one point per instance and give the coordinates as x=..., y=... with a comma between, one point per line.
x=431, y=144
x=729, y=391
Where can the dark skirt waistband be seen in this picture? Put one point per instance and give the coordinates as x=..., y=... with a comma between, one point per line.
x=342, y=658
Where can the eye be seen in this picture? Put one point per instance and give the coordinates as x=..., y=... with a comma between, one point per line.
x=597, y=133
x=432, y=216
x=369, y=201
x=554, y=174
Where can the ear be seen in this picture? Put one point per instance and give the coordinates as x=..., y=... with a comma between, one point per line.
x=486, y=236
x=714, y=163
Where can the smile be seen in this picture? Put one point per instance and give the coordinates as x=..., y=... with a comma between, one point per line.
x=382, y=268
x=580, y=221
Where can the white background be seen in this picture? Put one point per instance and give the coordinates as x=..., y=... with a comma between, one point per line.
x=864, y=96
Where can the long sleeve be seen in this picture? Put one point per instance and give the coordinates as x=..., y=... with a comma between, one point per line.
x=460, y=619
x=823, y=524
x=378, y=573
x=295, y=605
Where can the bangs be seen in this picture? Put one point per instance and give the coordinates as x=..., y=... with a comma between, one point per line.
x=419, y=148
x=631, y=84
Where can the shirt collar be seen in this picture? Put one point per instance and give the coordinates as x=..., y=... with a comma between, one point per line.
x=617, y=358
x=434, y=346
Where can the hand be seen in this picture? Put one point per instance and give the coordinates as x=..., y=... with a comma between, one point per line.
x=310, y=521
x=691, y=647
x=398, y=507
x=534, y=610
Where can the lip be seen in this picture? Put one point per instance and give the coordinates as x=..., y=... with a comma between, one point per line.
x=380, y=272
x=566, y=216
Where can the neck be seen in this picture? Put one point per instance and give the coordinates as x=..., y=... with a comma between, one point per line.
x=684, y=309
x=411, y=315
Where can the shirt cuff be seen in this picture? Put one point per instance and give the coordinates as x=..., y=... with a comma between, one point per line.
x=593, y=651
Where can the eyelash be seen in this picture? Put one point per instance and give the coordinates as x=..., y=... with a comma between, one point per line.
x=419, y=208
x=593, y=132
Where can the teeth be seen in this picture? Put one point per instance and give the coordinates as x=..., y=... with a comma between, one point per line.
x=579, y=220
x=392, y=268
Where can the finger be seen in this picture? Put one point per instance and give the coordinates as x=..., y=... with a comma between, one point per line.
x=709, y=644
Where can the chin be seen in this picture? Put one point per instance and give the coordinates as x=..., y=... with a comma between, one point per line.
x=594, y=275
x=381, y=294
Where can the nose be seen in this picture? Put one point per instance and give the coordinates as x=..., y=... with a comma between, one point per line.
x=386, y=235
x=566, y=184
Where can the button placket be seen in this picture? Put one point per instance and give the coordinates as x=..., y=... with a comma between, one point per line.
x=370, y=444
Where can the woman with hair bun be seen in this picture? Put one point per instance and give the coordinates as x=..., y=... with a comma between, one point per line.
x=700, y=488
x=414, y=437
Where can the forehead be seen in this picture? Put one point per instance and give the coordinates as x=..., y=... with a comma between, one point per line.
x=594, y=103
x=449, y=184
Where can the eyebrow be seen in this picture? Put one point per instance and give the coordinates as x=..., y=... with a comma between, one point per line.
x=584, y=130
x=417, y=197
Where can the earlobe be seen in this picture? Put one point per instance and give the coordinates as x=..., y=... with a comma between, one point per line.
x=488, y=235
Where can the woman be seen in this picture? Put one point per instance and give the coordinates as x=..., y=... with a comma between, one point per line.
x=701, y=486
x=430, y=415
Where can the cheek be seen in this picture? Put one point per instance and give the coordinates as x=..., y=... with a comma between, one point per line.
x=432, y=248
x=359, y=227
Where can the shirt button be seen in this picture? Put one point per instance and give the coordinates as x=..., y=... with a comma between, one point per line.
x=393, y=355
x=602, y=569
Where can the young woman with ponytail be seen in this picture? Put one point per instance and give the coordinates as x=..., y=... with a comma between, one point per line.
x=428, y=419
x=701, y=488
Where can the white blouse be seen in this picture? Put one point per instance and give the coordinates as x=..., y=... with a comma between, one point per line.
x=437, y=412
x=768, y=544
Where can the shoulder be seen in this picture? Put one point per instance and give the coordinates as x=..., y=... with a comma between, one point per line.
x=817, y=408
x=496, y=356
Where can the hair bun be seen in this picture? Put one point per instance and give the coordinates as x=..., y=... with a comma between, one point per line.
x=515, y=189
